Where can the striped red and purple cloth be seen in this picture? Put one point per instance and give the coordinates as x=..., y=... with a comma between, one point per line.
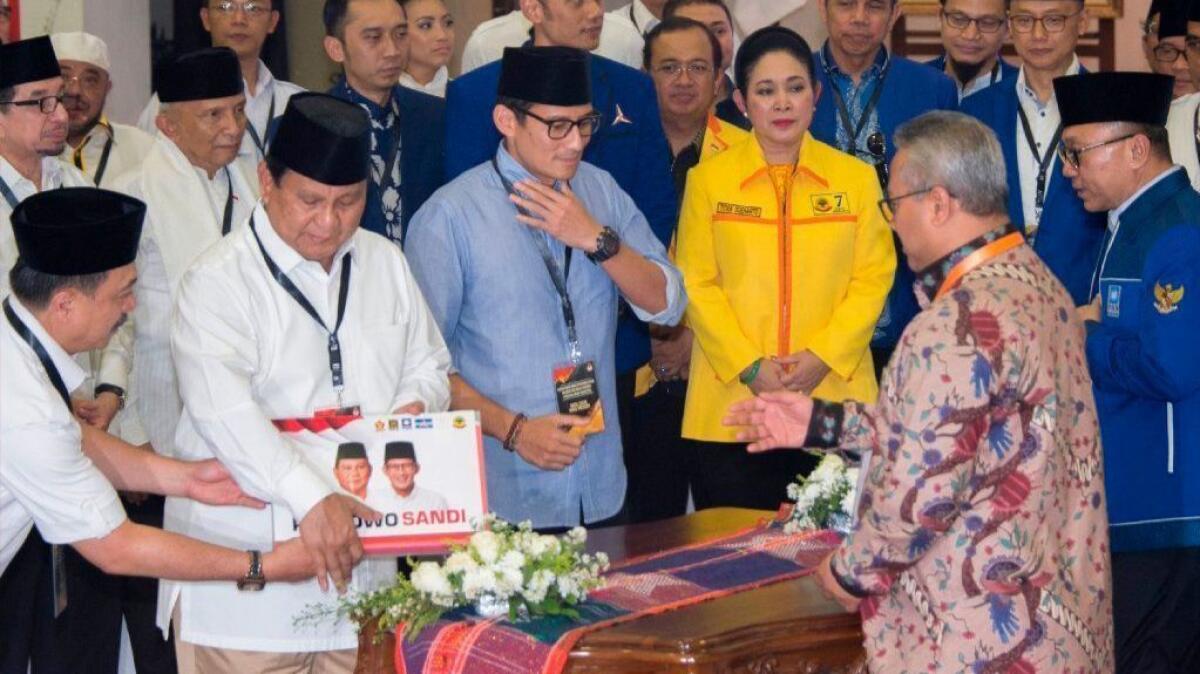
x=637, y=587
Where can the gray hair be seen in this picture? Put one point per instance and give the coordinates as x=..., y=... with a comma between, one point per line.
x=959, y=153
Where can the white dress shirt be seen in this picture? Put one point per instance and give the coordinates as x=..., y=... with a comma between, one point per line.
x=1182, y=131
x=436, y=86
x=1044, y=119
x=184, y=213
x=130, y=145
x=420, y=499
x=247, y=353
x=639, y=16
x=258, y=105
x=619, y=40
x=45, y=479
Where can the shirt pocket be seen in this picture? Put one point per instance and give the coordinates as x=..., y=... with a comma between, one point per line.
x=1121, y=300
x=383, y=348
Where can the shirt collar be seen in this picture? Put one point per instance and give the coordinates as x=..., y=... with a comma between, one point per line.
x=512, y=170
x=266, y=81
x=284, y=256
x=51, y=175
x=642, y=18
x=930, y=279
x=376, y=110
x=1028, y=96
x=438, y=83
x=1115, y=214
x=881, y=59
x=70, y=371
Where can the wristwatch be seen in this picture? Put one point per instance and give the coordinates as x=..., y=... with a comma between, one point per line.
x=608, y=244
x=254, y=580
x=113, y=389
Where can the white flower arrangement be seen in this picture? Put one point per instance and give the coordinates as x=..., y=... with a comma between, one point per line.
x=825, y=499
x=502, y=565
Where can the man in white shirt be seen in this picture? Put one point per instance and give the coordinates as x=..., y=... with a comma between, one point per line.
x=101, y=149
x=195, y=193
x=298, y=313
x=643, y=14
x=401, y=467
x=72, y=285
x=243, y=26
x=1183, y=123
x=619, y=39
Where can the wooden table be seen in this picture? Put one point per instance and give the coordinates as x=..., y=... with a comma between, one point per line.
x=783, y=627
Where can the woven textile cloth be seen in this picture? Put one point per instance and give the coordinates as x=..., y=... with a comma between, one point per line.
x=637, y=587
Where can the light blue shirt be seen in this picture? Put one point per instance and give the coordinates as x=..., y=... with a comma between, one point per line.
x=500, y=314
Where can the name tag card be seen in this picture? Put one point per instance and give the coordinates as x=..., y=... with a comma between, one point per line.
x=424, y=475
x=577, y=393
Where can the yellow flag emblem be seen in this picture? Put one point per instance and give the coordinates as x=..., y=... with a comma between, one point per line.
x=1167, y=297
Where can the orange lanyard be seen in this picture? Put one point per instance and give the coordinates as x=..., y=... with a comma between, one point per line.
x=978, y=259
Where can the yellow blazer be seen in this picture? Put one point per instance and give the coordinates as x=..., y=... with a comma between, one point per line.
x=770, y=274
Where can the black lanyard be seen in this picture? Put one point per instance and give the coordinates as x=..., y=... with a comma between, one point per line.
x=108, y=145
x=557, y=276
x=853, y=131
x=7, y=192
x=227, y=218
x=31, y=339
x=1196, y=131
x=387, y=180
x=1043, y=160
x=259, y=141
x=334, y=347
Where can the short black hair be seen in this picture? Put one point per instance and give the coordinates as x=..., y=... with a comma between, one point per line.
x=35, y=288
x=518, y=106
x=766, y=41
x=1160, y=144
x=276, y=168
x=7, y=94
x=674, y=6
x=334, y=16
x=678, y=24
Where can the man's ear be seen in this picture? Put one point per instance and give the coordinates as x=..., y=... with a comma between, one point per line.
x=334, y=49
x=505, y=120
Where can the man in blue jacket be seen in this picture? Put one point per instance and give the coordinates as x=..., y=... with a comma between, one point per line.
x=370, y=39
x=865, y=94
x=973, y=34
x=629, y=144
x=1023, y=111
x=1141, y=351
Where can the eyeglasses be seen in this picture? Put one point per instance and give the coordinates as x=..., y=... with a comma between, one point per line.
x=1071, y=156
x=253, y=9
x=1051, y=23
x=1166, y=53
x=47, y=104
x=1193, y=44
x=694, y=70
x=560, y=128
x=888, y=205
x=985, y=24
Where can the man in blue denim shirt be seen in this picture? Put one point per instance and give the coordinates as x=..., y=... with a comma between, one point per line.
x=490, y=266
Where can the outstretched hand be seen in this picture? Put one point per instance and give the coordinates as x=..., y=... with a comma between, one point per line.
x=771, y=420
x=210, y=483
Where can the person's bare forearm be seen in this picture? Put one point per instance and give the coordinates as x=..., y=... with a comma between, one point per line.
x=138, y=550
x=641, y=281
x=132, y=468
x=495, y=418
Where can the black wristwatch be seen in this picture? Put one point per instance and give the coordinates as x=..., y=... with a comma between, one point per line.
x=115, y=390
x=608, y=244
x=254, y=580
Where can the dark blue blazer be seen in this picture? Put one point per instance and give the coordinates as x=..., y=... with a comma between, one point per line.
x=909, y=90
x=629, y=144
x=1068, y=239
x=1007, y=70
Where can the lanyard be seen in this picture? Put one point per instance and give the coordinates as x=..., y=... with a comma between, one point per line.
x=7, y=192
x=557, y=276
x=1196, y=131
x=259, y=140
x=389, y=164
x=103, y=166
x=227, y=217
x=31, y=339
x=853, y=131
x=1043, y=160
x=334, y=346
x=977, y=259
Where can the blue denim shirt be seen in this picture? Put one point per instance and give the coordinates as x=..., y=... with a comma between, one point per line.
x=488, y=288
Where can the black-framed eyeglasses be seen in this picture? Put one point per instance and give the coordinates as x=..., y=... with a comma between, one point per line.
x=1192, y=44
x=1071, y=155
x=695, y=70
x=560, y=128
x=253, y=9
x=1168, y=53
x=47, y=104
x=1052, y=23
x=888, y=205
x=985, y=24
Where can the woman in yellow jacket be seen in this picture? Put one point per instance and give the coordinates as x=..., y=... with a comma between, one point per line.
x=787, y=262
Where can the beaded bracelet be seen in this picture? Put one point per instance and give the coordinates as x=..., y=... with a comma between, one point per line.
x=513, y=431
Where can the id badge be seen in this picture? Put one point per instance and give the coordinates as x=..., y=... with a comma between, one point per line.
x=577, y=393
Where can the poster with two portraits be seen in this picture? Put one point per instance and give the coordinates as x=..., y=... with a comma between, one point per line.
x=423, y=474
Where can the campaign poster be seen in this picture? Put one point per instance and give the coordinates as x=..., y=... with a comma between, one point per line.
x=423, y=474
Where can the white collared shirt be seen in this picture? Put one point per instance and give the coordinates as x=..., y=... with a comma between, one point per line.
x=436, y=86
x=1044, y=119
x=45, y=479
x=639, y=16
x=130, y=145
x=982, y=81
x=1184, y=137
x=619, y=40
x=246, y=353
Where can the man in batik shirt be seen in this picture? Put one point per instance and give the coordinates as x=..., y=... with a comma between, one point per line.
x=981, y=541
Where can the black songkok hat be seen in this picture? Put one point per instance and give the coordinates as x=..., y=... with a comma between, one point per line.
x=547, y=75
x=1193, y=12
x=1140, y=98
x=201, y=75
x=325, y=139
x=351, y=450
x=1173, y=18
x=399, y=450
x=77, y=230
x=29, y=60
x=1155, y=8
